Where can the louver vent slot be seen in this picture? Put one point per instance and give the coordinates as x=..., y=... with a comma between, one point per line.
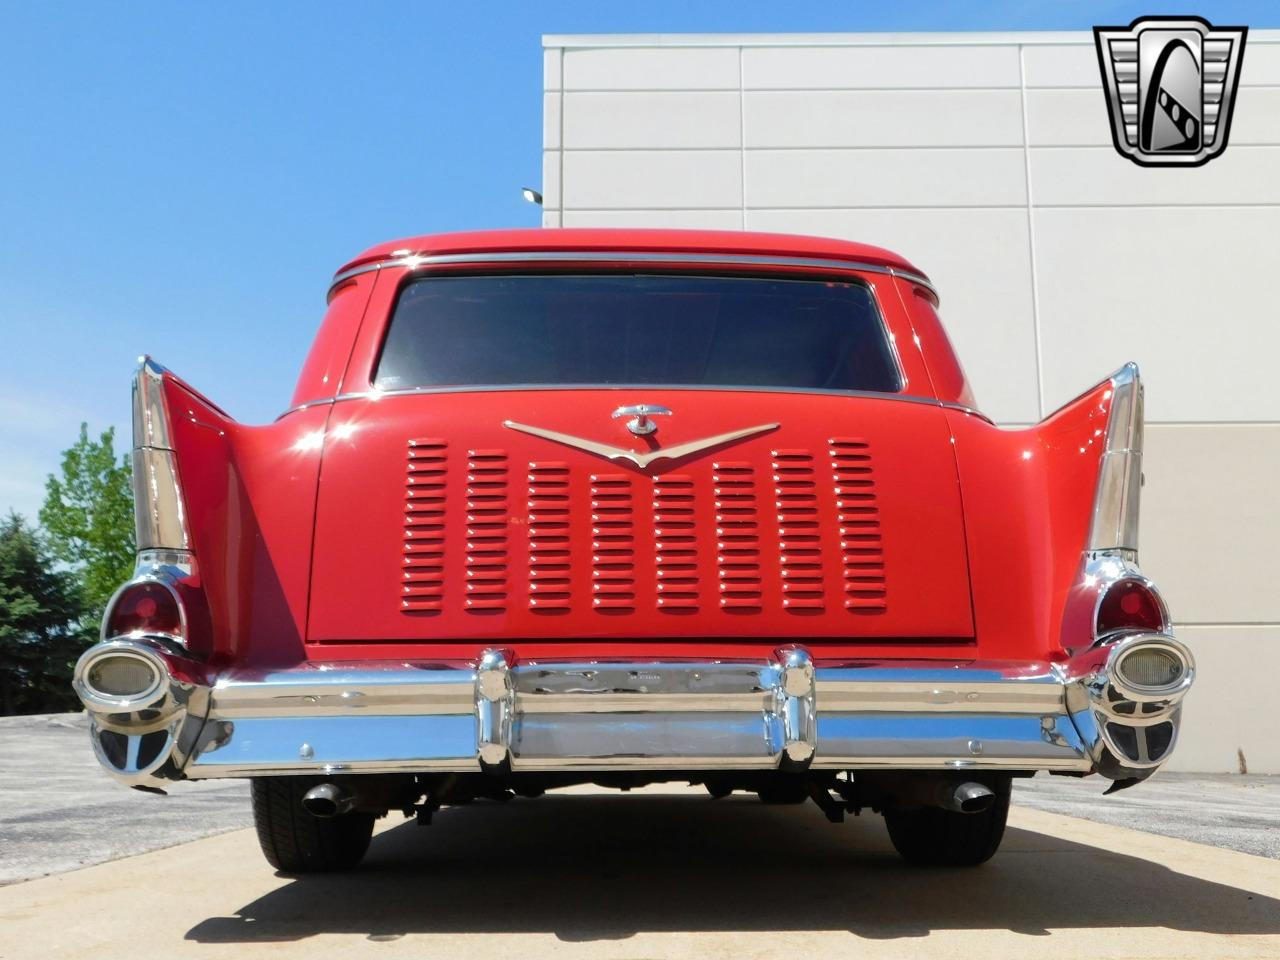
x=737, y=535
x=548, y=525
x=613, y=582
x=799, y=537
x=422, y=587
x=676, y=543
x=487, y=513
x=858, y=514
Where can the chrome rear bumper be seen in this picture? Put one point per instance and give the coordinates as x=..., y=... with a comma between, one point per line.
x=500, y=715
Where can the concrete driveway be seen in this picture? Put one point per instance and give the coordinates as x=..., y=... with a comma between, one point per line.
x=671, y=874
x=660, y=872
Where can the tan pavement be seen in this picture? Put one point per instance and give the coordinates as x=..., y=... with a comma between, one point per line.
x=661, y=873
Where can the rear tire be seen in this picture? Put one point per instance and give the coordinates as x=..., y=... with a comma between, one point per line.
x=294, y=841
x=933, y=837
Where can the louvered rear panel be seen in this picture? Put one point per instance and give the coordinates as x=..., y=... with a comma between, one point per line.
x=676, y=543
x=613, y=543
x=487, y=513
x=795, y=490
x=737, y=535
x=422, y=585
x=550, y=586
x=861, y=544
x=439, y=524
x=645, y=533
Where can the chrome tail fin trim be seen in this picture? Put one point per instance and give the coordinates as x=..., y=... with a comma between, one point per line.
x=159, y=512
x=1114, y=527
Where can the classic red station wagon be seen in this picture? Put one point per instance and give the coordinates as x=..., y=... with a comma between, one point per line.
x=565, y=506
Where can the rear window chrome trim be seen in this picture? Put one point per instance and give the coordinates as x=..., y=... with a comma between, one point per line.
x=631, y=387
x=414, y=261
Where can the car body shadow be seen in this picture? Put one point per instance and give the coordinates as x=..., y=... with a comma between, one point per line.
x=590, y=868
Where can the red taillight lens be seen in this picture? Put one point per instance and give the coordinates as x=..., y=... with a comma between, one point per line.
x=1130, y=605
x=145, y=608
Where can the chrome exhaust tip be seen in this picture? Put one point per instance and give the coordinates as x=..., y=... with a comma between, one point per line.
x=326, y=800
x=965, y=797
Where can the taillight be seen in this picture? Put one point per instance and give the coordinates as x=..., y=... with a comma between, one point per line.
x=145, y=607
x=1127, y=606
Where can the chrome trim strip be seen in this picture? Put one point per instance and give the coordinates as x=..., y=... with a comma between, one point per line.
x=1003, y=697
x=159, y=518
x=633, y=387
x=414, y=261
x=641, y=460
x=370, y=744
x=648, y=702
x=150, y=417
x=157, y=501
x=1114, y=526
x=986, y=741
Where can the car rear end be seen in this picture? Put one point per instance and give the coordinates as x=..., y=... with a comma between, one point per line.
x=622, y=507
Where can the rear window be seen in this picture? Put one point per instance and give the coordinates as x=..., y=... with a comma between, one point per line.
x=636, y=330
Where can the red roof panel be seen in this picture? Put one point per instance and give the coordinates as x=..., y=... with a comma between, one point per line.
x=638, y=241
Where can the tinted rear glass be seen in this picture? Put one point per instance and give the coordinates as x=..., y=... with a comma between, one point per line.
x=645, y=330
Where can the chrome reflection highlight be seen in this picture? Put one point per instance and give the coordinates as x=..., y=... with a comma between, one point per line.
x=1115, y=510
x=641, y=460
x=783, y=713
x=495, y=705
x=1130, y=727
x=795, y=702
x=412, y=261
x=144, y=737
x=640, y=424
x=159, y=515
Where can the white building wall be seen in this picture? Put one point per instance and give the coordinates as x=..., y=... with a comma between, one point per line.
x=986, y=159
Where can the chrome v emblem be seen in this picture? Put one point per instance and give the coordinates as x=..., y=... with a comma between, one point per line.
x=641, y=460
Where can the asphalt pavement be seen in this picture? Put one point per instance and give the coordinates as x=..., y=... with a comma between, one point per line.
x=1224, y=810
x=60, y=811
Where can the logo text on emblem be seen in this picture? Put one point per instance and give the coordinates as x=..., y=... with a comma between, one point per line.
x=1171, y=85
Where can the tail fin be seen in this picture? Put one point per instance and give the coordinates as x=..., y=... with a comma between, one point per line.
x=1039, y=503
x=223, y=514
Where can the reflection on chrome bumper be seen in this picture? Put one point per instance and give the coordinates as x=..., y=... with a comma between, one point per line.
x=783, y=713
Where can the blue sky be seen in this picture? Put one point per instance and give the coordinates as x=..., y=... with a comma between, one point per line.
x=182, y=179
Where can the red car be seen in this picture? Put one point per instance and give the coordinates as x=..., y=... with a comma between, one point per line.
x=589, y=506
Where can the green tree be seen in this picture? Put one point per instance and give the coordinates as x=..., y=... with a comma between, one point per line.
x=41, y=633
x=88, y=517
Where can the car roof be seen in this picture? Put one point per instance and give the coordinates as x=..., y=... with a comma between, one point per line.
x=545, y=239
